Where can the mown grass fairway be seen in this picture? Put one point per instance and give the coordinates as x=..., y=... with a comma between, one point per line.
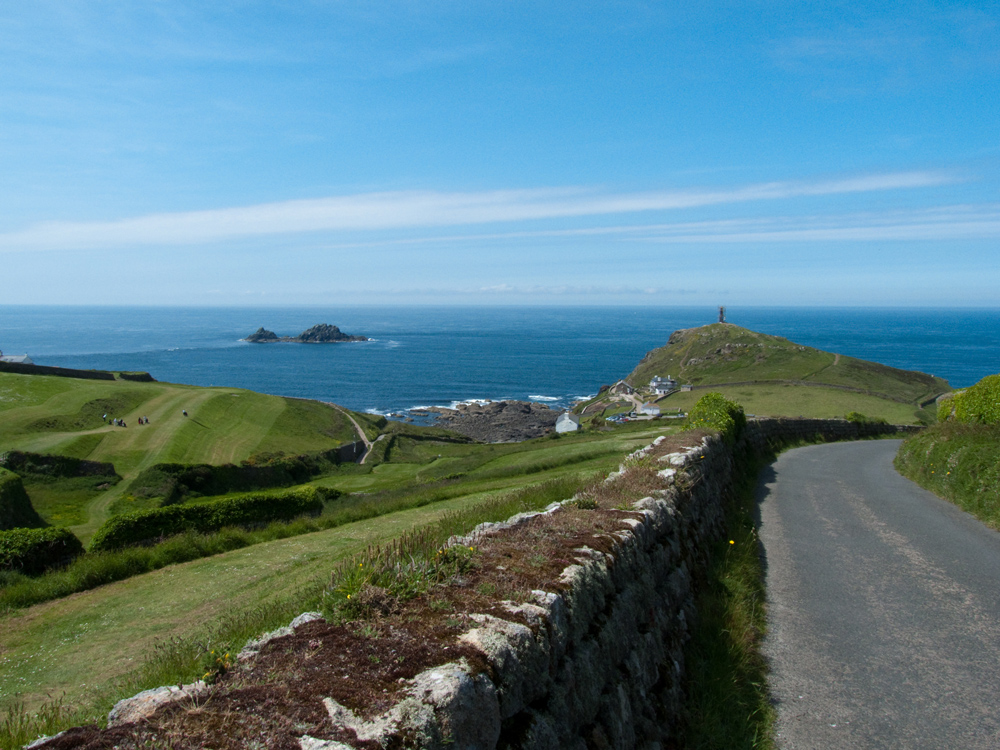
x=84, y=644
x=45, y=414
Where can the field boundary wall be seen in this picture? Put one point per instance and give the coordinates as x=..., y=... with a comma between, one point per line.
x=600, y=662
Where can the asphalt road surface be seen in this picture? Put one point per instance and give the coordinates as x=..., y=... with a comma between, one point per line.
x=883, y=606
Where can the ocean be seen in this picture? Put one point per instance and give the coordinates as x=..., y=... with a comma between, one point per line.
x=437, y=356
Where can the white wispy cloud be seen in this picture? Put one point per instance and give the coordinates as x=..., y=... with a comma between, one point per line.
x=399, y=210
x=937, y=223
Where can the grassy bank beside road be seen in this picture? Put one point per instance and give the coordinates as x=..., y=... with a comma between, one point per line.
x=958, y=462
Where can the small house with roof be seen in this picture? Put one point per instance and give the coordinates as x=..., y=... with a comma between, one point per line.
x=650, y=409
x=17, y=359
x=662, y=386
x=621, y=387
x=567, y=422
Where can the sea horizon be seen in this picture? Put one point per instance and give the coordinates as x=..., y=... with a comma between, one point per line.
x=440, y=355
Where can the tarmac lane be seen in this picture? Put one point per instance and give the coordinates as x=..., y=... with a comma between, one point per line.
x=883, y=606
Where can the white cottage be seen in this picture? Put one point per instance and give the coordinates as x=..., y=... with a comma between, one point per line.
x=18, y=359
x=662, y=386
x=567, y=422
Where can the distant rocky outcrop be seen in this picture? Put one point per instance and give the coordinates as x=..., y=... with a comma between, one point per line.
x=262, y=336
x=498, y=421
x=318, y=334
x=325, y=334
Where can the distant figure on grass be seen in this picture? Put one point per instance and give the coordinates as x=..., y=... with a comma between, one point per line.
x=184, y=412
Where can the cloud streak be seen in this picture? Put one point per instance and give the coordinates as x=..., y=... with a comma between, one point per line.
x=407, y=210
x=939, y=223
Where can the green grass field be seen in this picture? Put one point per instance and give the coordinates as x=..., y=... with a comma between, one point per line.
x=793, y=401
x=45, y=414
x=85, y=645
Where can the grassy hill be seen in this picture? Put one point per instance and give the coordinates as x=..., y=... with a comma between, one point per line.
x=771, y=375
x=56, y=415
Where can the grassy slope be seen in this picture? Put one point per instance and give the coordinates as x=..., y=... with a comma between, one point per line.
x=791, y=400
x=958, y=462
x=63, y=415
x=724, y=353
x=87, y=641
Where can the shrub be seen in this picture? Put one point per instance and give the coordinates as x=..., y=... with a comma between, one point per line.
x=15, y=506
x=715, y=412
x=946, y=408
x=859, y=418
x=250, y=510
x=32, y=551
x=979, y=404
x=175, y=483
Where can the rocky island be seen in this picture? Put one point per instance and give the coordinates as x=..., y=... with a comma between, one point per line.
x=318, y=334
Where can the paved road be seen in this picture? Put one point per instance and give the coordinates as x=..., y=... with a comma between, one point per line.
x=884, y=606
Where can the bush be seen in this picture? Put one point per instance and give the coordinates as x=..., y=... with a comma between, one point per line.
x=715, y=412
x=859, y=418
x=175, y=483
x=32, y=551
x=946, y=407
x=16, y=510
x=251, y=510
x=979, y=404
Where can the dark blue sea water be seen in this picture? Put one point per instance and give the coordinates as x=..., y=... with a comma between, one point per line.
x=425, y=356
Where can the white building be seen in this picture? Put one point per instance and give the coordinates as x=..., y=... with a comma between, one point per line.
x=18, y=359
x=662, y=386
x=567, y=422
x=651, y=409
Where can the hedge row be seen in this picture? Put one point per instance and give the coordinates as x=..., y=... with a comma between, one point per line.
x=979, y=404
x=60, y=372
x=16, y=510
x=715, y=412
x=176, y=483
x=33, y=551
x=24, y=462
x=250, y=510
x=139, y=377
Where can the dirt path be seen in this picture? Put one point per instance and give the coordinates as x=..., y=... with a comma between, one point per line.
x=357, y=428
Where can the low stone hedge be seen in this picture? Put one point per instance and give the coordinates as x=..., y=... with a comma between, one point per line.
x=33, y=551
x=249, y=510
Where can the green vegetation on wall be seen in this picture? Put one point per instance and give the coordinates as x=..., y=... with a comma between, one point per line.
x=979, y=404
x=715, y=412
x=959, y=462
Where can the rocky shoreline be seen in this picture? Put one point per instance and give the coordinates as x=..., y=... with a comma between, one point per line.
x=318, y=334
x=496, y=421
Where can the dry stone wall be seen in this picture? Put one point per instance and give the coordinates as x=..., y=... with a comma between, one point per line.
x=598, y=663
x=602, y=664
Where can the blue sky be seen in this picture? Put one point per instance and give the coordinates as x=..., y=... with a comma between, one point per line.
x=276, y=153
